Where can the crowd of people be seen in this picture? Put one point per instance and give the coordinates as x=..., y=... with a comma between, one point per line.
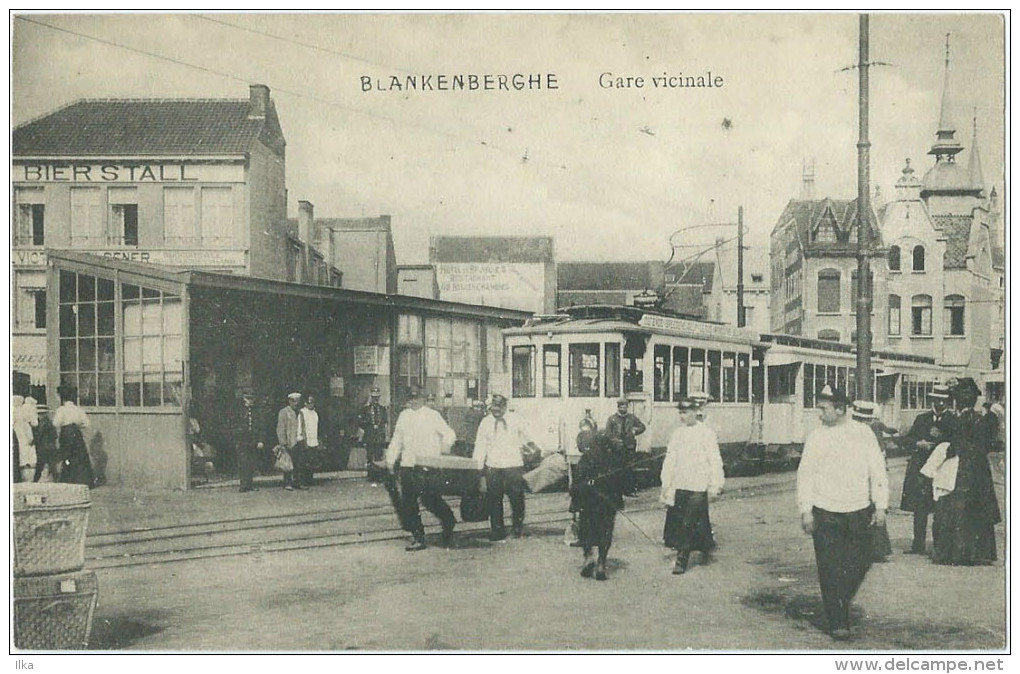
x=49, y=447
x=842, y=485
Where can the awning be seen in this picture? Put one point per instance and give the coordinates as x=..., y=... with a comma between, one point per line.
x=28, y=355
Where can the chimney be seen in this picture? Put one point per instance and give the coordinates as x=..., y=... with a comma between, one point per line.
x=305, y=221
x=259, y=98
x=807, y=186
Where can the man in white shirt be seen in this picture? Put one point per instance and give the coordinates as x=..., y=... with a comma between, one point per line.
x=842, y=490
x=692, y=471
x=310, y=417
x=420, y=431
x=498, y=453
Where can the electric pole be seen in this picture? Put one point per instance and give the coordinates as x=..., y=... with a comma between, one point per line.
x=865, y=386
x=741, y=319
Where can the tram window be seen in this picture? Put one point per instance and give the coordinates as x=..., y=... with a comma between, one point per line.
x=551, y=371
x=584, y=370
x=841, y=378
x=612, y=370
x=661, y=372
x=851, y=385
x=903, y=391
x=680, y=365
x=743, y=378
x=809, y=385
x=522, y=362
x=633, y=365
x=696, y=376
x=912, y=395
x=819, y=378
x=715, y=375
x=782, y=382
x=729, y=370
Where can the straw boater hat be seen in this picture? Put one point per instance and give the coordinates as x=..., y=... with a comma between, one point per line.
x=376, y=392
x=864, y=410
x=939, y=391
x=294, y=396
x=688, y=403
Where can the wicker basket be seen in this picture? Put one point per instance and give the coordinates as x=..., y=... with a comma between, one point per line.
x=50, y=521
x=54, y=612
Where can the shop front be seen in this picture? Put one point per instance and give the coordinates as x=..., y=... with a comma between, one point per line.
x=160, y=358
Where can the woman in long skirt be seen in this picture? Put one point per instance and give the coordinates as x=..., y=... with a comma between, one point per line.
x=964, y=525
x=691, y=472
x=597, y=494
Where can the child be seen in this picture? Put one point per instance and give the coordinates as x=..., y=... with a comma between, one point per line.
x=596, y=494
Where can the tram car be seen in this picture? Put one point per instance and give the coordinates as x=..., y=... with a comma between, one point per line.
x=762, y=388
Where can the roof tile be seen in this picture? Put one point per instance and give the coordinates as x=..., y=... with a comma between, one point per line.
x=118, y=127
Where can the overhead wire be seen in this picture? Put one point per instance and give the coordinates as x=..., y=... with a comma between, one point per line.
x=533, y=158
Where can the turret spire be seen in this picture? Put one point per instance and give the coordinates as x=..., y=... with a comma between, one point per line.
x=977, y=179
x=946, y=146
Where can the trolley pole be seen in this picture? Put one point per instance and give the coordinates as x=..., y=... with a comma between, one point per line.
x=741, y=317
x=865, y=386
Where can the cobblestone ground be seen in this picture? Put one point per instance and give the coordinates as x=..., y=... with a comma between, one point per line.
x=759, y=593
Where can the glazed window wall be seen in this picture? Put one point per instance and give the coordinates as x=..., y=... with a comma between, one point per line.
x=149, y=350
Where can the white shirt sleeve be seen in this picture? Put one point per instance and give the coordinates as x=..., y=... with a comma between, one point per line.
x=716, y=475
x=483, y=440
x=446, y=434
x=806, y=476
x=877, y=475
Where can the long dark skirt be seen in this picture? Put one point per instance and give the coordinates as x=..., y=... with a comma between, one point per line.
x=687, y=525
x=962, y=532
x=77, y=465
x=595, y=526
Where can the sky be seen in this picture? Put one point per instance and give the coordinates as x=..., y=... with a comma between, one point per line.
x=611, y=173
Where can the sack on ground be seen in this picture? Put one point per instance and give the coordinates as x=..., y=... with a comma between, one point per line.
x=552, y=469
x=474, y=508
x=283, y=461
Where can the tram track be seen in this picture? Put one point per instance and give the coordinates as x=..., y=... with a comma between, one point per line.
x=315, y=529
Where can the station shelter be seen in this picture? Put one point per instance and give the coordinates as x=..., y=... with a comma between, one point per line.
x=160, y=355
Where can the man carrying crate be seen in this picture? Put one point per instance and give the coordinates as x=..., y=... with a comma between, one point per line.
x=420, y=432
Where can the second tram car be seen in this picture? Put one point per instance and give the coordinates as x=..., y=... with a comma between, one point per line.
x=579, y=363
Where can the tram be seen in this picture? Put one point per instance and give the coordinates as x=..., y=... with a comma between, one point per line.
x=578, y=363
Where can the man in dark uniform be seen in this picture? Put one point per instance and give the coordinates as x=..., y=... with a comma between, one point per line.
x=249, y=431
x=373, y=421
x=623, y=429
x=929, y=429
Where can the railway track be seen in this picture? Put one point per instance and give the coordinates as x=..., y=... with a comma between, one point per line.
x=334, y=527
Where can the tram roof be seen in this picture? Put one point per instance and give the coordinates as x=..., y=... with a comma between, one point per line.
x=618, y=318
x=838, y=347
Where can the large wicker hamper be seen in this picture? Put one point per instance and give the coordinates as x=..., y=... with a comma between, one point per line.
x=54, y=612
x=50, y=521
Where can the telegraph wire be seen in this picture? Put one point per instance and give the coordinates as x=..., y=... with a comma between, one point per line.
x=307, y=45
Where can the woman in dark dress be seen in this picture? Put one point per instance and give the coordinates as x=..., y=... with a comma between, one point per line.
x=70, y=420
x=964, y=526
x=597, y=493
